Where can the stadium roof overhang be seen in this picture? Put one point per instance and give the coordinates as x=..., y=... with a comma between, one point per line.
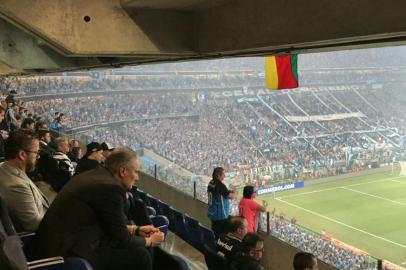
x=55, y=35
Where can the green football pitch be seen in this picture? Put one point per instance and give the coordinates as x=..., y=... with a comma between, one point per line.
x=367, y=212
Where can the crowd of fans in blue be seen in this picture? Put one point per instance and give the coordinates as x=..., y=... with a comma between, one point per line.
x=253, y=135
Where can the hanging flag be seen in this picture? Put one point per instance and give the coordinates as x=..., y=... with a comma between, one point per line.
x=281, y=72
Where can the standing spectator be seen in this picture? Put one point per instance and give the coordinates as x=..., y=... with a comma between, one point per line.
x=11, y=116
x=87, y=219
x=92, y=158
x=249, y=208
x=304, y=261
x=11, y=97
x=26, y=204
x=57, y=124
x=218, y=202
x=252, y=249
x=229, y=244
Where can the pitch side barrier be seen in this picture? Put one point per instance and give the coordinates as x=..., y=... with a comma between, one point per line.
x=282, y=187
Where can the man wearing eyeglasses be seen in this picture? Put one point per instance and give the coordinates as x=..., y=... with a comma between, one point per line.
x=252, y=248
x=26, y=204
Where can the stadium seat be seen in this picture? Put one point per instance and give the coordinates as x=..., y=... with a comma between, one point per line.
x=151, y=211
x=138, y=213
x=76, y=263
x=208, y=238
x=166, y=211
x=12, y=254
x=180, y=226
x=195, y=235
x=213, y=260
x=160, y=220
x=153, y=202
x=144, y=197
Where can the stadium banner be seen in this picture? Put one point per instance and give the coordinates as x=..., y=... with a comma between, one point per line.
x=324, y=117
x=282, y=187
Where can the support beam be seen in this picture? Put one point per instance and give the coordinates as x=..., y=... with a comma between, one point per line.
x=101, y=27
x=7, y=70
x=23, y=51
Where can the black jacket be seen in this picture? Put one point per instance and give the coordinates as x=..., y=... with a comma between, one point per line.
x=86, y=164
x=241, y=262
x=86, y=217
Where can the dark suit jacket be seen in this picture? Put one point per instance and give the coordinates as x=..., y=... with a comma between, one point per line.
x=87, y=214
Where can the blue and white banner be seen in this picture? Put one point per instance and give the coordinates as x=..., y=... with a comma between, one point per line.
x=270, y=189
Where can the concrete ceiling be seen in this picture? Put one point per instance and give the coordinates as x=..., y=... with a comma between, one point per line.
x=55, y=35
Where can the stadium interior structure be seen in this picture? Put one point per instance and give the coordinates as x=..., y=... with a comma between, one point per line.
x=41, y=37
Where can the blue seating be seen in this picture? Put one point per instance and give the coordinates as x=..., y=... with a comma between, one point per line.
x=166, y=211
x=76, y=263
x=159, y=221
x=144, y=197
x=208, y=238
x=195, y=235
x=13, y=256
x=154, y=203
x=180, y=226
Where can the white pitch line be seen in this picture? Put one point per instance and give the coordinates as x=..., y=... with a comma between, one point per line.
x=333, y=188
x=375, y=196
x=403, y=263
x=341, y=223
x=397, y=181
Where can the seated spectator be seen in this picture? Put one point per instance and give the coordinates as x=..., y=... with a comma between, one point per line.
x=26, y=204
x=91, y=159
x=44, y=141
x=229, y=244
x=2, y=111
x=107, y=149
x=304, y=261
x=249, y=208
x=40, y=125
x=251, y=252
x=28, y=123
x=62, y=168
x=87, y=219
x=75, y=155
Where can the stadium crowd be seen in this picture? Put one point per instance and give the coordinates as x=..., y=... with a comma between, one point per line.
x=253, y=139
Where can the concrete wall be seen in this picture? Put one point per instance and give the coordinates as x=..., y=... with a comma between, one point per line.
x=277, y=256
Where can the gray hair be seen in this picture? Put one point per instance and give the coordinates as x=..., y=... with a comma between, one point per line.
x=60, y=140
x=119, y=157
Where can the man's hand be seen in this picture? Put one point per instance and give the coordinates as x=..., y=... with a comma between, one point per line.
x=155, y=239
x=146, y=231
